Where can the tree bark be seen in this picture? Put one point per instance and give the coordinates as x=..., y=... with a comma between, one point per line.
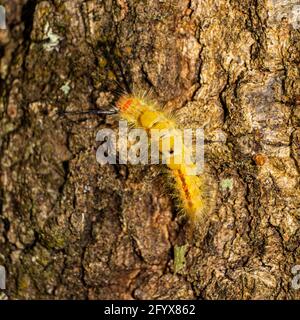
x=71, y=228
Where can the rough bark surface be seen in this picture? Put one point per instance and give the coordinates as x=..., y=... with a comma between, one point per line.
x=70, y=228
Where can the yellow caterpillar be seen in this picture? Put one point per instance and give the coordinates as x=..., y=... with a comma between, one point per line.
x=190, y=188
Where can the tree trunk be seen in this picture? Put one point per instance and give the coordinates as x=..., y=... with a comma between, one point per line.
x=71, y=228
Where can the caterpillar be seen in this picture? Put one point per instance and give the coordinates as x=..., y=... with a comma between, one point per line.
x=141, y=112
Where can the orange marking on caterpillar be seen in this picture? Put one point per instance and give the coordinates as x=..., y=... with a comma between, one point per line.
x=124, y=105
x=184, y=186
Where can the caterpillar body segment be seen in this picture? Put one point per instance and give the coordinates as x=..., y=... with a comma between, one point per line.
x=189, y=188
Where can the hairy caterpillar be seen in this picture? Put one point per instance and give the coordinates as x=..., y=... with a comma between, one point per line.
x=142, y=113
